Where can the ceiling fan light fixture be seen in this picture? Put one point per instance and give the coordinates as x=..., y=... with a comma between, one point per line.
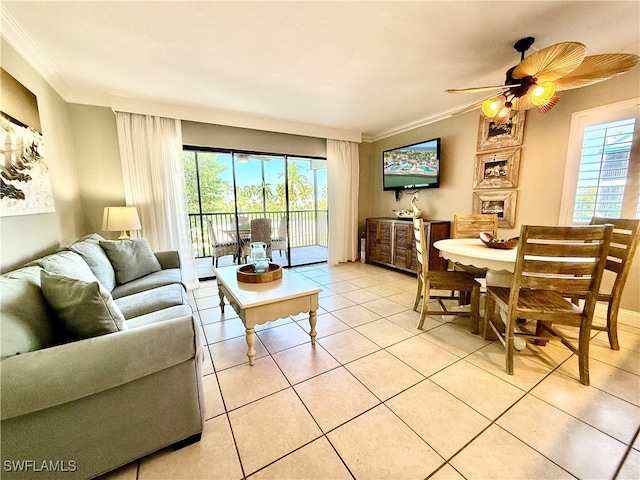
x=492, y=106
x=549, y=105
x=504, y=114
x=541, y=94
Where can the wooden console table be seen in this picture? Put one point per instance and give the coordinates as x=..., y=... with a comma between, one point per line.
x=390, y=242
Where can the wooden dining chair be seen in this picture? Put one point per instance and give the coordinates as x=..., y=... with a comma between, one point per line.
x=471, y=226
x=626, y=235
x=551, y=261
x=220, y=248
x=449, y=281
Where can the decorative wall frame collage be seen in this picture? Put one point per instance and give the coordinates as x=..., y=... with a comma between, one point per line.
x=497, y=167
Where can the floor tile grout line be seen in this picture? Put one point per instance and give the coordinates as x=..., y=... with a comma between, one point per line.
x=527, y=392
x=626, y=455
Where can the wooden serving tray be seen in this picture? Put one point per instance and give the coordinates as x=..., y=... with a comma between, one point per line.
x=246, y=274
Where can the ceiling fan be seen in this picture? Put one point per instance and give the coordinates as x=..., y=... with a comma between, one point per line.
x=533, y=83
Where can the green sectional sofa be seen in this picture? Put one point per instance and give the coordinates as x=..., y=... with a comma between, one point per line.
x=101, y=360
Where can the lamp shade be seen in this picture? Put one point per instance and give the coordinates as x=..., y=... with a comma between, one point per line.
x=120, y=219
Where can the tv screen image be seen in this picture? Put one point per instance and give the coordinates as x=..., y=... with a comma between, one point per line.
x=412, y=166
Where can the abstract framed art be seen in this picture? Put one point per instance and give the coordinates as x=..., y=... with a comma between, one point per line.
x=25, y=187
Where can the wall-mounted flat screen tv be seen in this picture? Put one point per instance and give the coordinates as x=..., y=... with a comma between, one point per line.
x=412, y=166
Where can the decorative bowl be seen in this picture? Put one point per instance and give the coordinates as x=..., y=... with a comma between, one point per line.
x=404, y=214
x=246, y=274
x=491, y=242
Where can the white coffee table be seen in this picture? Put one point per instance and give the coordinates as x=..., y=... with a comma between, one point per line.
x=259, y=303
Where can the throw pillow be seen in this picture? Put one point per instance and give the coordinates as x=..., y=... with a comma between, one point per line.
x=69, y=264
x=85, y=308
x=90, y=250
x=131, y=259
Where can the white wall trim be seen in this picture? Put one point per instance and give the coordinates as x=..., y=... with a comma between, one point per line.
x=15, y=36
x=231, y=119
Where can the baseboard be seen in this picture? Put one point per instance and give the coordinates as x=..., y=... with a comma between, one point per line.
x=628, y=317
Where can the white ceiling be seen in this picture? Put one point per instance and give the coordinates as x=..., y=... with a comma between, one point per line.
x=371, y=68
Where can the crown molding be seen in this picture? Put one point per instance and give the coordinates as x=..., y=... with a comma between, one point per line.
x=18, y=39
x=197, y=113
x=415, y=124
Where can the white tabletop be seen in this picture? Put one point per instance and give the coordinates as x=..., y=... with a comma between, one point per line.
x=471, y=251
x=291, y=285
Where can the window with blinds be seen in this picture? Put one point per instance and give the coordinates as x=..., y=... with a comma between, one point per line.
x=603, y=171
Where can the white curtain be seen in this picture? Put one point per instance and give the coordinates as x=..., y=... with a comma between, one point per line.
x=343, y=177
x=153, y=171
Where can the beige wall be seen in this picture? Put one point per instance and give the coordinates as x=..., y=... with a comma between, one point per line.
x=27, y=236
x=220, y=136
x=542, y=165
x=98, y=163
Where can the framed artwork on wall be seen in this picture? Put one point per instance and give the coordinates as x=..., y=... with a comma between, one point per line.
x=498, y=169
x=502, y=202
x=493, y=135
x=25, y=187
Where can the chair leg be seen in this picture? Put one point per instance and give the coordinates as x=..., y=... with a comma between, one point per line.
x=418, y=294
x=489, y=307
x=508, y=338
x=425, y=304
x=475, y=310
x=612, y=324
x=583, y=353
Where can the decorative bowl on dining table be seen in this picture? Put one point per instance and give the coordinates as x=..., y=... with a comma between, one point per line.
x=505, y=244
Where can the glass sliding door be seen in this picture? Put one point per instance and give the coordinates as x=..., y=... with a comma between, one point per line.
x=260, y=193
x=228, y=189
x=307, y=210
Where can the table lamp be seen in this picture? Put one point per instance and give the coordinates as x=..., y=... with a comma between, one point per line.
x=120, y=219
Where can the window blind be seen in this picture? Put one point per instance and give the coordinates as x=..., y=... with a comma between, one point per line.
x=604, y=165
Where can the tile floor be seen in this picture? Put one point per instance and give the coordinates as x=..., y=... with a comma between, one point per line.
x=378, y=399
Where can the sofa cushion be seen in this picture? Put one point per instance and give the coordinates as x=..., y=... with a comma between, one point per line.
x=152, y=300
x=27, y=322
x=153, y=280
x=130, y=259
x=93, y=254
x=85, y=308
x=69, y=264
x=160, y=316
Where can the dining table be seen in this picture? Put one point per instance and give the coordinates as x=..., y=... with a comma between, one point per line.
x=499, y=262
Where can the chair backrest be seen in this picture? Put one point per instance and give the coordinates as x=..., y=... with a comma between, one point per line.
x=282, y=227
x=261, y=230
x=471, y=225
x=422, y=247
x=624, y=241
x=212, y=233
x=567, y=259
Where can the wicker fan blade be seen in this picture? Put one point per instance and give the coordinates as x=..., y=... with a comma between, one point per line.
x=597, y=68
x=552, y=62
x=479, y=89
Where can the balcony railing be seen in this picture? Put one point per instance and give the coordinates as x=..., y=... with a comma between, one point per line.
x=306, y=227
